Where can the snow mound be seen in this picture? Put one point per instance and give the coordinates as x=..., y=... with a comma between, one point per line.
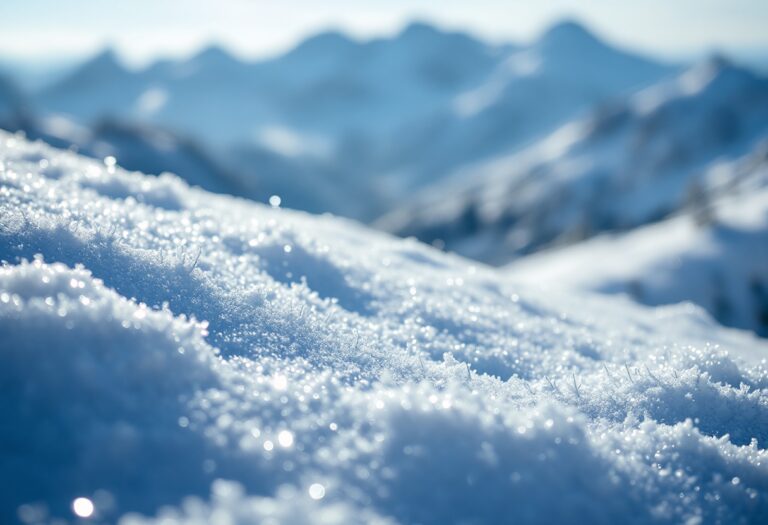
x=158, y=339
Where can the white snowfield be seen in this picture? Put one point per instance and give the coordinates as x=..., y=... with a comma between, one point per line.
x=722, y=266
x=172, y=356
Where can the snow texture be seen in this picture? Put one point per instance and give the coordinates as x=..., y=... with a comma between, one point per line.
x=158, y=340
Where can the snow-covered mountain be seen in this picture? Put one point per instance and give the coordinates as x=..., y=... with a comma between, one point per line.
x=144, y=148
x=532, y=90
x=329, y=85
x=95, y=90
x=715, y=256
x=288, y=123
x=158, y=340
x=401, y=112
x=630, y=163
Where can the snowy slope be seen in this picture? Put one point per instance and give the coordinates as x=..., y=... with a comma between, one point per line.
x=628, y=164
x=158, y=338
x=531, y=91
x=719, y=263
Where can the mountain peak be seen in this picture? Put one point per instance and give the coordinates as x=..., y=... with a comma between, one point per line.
x=419, y=29
x=213, y=54
x=718, y=72
x=719, y=61
x=567, y=33
x=330, y=41
x=105, y=64
x=107, y=57
x=717, y=64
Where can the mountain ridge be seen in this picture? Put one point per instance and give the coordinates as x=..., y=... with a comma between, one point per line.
x=658, y=138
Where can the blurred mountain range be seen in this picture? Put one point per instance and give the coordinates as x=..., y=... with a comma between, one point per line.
x=339, y=125
x=715, y=258
x=491, y=151
x=628, y=163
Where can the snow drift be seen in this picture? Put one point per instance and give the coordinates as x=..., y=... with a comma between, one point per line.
x=179, y=357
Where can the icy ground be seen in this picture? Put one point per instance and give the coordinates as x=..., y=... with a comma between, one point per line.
x=156, y=340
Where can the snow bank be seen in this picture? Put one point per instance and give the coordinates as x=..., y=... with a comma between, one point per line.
x=165, y=339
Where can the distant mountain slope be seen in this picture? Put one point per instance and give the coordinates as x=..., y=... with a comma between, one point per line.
x=154, y=151
x=532, y=90
x=328, y=84
x=403, y=111
x=716, y=258
x=630, y=163
x=99, y=88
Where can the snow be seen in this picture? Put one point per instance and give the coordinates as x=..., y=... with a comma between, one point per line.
x=719, y=266
x=174, y=356
x=288, y=143
x=329, y=84
x=378, y=117
x=151, y=101
x=627, y=164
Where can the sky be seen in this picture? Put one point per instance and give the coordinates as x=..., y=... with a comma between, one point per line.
x=145, y=29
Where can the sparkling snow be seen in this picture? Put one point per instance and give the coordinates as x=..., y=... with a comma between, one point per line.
x=172, y=356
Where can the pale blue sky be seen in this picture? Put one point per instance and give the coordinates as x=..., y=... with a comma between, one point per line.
x=141, y=29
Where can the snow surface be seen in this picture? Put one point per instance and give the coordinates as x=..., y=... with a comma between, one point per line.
x=720, y=266
x=158, y=339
